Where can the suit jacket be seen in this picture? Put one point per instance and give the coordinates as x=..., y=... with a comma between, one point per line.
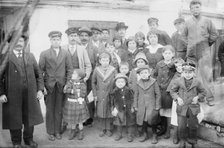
x=55, y=69
x=179, y=90
x=93, y=54
x=84, y=61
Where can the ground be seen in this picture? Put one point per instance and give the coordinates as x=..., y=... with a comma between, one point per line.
x=93, y=140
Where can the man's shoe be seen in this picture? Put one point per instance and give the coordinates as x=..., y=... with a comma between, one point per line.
x=58, y=136
x=175, y=140
x=17, y=146
x=31, y=144
x=51, y=137
x=108, y=133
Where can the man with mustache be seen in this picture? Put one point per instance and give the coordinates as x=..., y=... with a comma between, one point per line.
x=21, y=87
x=84, y=35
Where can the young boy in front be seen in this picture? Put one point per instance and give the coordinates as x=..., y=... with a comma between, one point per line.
x=187, y=92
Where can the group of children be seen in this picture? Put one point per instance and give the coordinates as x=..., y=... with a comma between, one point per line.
x=139, y=98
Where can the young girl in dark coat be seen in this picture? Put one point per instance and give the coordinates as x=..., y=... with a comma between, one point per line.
x=122, y=98
x=75, y=108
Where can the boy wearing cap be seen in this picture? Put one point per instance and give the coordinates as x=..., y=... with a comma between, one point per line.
x=147, y=99
x=121, y=29
x=187, y=92
x=102, y=84
x=56, y=67
x=177, y=41
x=122, y=98
x=163, y=37
x=200, y=34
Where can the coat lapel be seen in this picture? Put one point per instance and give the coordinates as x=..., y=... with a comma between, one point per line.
x=110, y=70
x=14, y=59
x=60, y=56
x=99, y=71
x=194, y=83
x=146, y=85
x=182, y=82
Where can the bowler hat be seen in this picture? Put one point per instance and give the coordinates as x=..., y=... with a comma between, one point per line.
x=85, y=29
x=121, y=25
x=54, y=34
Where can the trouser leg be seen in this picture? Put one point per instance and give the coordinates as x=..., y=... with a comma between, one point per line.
x=28, y=133
x=16, y=136
x=182, y=125
x=193, y=126
x=58, y=110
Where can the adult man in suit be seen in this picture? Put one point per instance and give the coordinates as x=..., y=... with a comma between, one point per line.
x=21, y=87
x=56, y=66
x=121, y=29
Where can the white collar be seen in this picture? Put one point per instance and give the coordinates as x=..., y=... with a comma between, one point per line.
x=17, y=52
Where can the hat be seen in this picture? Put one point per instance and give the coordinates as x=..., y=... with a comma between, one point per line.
x=117, y=37
x=105, y=54
x=193, y=2
x=140, y=55
x=81, y=73
x=72, y=30
x=188, y=66
x=179, y=20
x=130, y=38
x=54, y=34
x=85, y=29
x=178, y=61
x=95, y=29
x=121, y=75
x=105, y=29
x=152, y=19
x=140, y=34
x=121, y=25
x=143, y=67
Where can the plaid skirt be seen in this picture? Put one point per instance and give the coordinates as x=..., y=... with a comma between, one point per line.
x=75, y=113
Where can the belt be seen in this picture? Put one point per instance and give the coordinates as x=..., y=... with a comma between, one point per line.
x=79, y=100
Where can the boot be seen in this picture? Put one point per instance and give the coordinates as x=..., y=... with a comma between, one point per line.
x=81, y=135
x=195, y=145
x=154, y=139
x=72, y=134
x=182, y=144
x=167, y=133
x=102, y=133
x=144, y=137
x=130, y=138
x=119, y=133
x=109, y=133
x=175, y=135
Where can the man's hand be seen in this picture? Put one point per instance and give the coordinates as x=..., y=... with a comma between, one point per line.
x=180, y=101
x=3, y=99
x=195, y=100
x=40, y=95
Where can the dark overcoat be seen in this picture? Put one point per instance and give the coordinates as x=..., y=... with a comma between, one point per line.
x=179, y=90
x=11, y=85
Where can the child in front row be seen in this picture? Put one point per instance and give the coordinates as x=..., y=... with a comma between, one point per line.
x=75, y=108
x=122, y=98
x=187, y=91
x=102, y=83
x=147, y=102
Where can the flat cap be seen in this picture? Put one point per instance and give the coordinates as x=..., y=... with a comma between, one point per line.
x=179, y=20
x=96, y=29
x=54, y=34
x=72, y=30
x=85, y=29
x=143, y=67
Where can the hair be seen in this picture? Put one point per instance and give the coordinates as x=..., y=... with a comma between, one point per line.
x=152, y=32
x=168, y=47
x=123, y=63
x=140, y=34
x=105, y=52
x=195, y=2
x=109, y=43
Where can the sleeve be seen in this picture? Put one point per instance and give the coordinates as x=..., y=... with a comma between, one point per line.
x=68, y=88
x=94, y=82
x=38, y=74
x=158, y=96
x=201, y=92
x=87, y=64
x=136, y=97
x=174, y=91
x=68, y=67
x=221, y=52
x=184, y=34
x=2, y=80
x=167, y=39
x=83, y=90
x=131, y=93
x=155, y=72
x=213, y=33
x=42, y=63
x=130, y=80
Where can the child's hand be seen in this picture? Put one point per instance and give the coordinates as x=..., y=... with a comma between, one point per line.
x=85, y=79
x=132, y=109
x=180, y=101
x=40, y=95
x=115, y=112
x=195, y=100
x=45, y=91
x=135, y=108
x=3, y=99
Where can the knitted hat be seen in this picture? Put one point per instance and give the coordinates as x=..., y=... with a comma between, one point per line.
x=179, y=20
x=143, y=67
x=140, y=55
x=120, y=75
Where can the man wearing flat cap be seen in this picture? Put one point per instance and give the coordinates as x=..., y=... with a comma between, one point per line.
x=56, y=67
x=21, y=87
x=96, y=36
x=84, y=35
x=177, y=40
x=121, y=29
x=163, y=37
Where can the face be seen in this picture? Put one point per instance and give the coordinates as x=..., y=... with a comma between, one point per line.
x=132, y=45
x=84, y=37
x=144, y=74
x=179, y=67
x=73, y=38
x=168, y=55
x=55, y=42
x=124, y=69
x=110, y=48
x=188, y=74
x=179, y=26
x=122, y=32
x=75, y=76
x=195, y=10
x=120, y=82
x=105, y=62
x=153, y=25
x=105, y=35
x=117, y=43
x=20, y=44
x=140, y=41
x=140, y=62
x=153, y=39
x=96, y=35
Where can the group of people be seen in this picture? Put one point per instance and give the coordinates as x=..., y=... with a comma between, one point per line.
x=121, y=83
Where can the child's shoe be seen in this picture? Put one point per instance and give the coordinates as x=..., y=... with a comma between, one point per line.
x=144, y=138
x=81, y=135
x=102, y=133
x=130, y=138
x=108, y=133
x=118, y=137
x=167, y=134
x=72, y=134
x=154, y=139
x=182, y=144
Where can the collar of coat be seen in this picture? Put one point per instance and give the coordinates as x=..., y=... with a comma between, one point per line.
x=182, y=83
x=162, y=64
x=146, y=84
x=110, y=70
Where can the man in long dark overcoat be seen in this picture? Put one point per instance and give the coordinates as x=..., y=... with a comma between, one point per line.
x=21, y=86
